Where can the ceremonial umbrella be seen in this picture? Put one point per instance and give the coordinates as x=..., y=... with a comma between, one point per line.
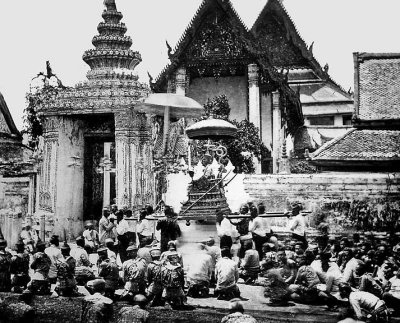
x=171, y=105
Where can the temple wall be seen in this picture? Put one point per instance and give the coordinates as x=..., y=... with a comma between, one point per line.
x=14, y=196
x=332, y=195
x=234, y=87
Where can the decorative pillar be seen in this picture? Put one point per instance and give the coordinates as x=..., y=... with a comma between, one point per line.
x=46, y=204
x=123, y=122
x=254, y=96
x=276, y=132
x=106, y=175
x=134, y=163
x=180, y=81
x=254, y=105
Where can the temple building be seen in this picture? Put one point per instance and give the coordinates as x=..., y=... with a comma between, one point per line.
x=96, y=148
x=217, y=55
x=17, y=177
x=373, y=144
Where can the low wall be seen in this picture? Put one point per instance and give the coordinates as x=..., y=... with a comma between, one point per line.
x=340, y=199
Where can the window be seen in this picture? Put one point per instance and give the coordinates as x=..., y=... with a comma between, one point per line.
x=347, y=120
x=322, y=121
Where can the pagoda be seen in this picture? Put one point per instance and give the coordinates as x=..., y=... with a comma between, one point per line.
x=97, y=146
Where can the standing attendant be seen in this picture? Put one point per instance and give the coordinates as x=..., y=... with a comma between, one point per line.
x=259, y=228
x=146, y=227
x=122, y=235
x=91, y=237
x=105, y=227
x=169, y=227
x=299, y=225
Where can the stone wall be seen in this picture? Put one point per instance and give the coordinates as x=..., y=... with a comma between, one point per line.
x=343, y=200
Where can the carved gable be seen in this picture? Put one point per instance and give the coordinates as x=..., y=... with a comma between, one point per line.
x=278, y=42
x=3, y=125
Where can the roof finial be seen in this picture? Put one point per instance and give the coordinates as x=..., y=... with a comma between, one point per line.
x=110, y=4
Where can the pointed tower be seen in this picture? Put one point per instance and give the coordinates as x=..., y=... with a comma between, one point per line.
x=112, y=56
x=97, y=120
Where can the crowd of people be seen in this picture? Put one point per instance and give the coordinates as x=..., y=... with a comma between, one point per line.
x=358, y=277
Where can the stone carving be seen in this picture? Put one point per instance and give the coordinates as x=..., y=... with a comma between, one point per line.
x=253, y=74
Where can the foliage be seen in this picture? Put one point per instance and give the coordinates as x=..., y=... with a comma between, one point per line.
x=38, y=96
x=246, y=144
x=365, y=214
x=301, y=166
x=218, y=107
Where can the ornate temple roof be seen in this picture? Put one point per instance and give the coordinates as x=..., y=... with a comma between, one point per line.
x=7, y=125
x=111, y=83
x=225, y=23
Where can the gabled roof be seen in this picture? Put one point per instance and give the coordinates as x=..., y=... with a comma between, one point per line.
x=7, y=125
x=360, y=145
x=292, y=51
x=377, y=86
x=189, y=34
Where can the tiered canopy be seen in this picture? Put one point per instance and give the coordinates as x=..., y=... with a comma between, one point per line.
x=111, y=82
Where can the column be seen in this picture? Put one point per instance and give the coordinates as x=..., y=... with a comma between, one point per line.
x=106, y=175
x=46, y=196
x=180, y=81
x=134, y=163
x=254, y=96
x=276, y=131
x=123, y=122
x=254, y=105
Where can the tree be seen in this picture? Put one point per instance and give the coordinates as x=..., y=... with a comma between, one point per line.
x=246, y=144
x=45, y=91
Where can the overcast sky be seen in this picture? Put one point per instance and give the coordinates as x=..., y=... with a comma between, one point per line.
x=32, y=32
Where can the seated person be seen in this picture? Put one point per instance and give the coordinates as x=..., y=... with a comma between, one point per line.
x=276, y=289
x=110, y=250
x=304, y=289
x=83, y=268
x=66, y=283
x=236, y=313
x=29, y=237
x=171, y=250
x=155, y=287
x=173, y=279
x=367, y=282
x=392, y=295
x=96, y=307
x=199, y=273
x=135, y=313
x=270, y=258
x=250, y=264
x=108, y=270
x=19, y=268
x=365, y=306
x=133, y=274
x=227, y=275
x=40, y=284
x=286, y=267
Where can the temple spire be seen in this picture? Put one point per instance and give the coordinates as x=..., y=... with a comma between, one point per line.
x=112, y=56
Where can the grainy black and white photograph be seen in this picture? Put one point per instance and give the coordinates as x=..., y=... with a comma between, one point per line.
x=199, y=161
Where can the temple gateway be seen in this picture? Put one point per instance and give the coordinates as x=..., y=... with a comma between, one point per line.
x=102, y=146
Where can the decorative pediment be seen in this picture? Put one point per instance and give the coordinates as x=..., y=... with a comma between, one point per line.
x=215, y=42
